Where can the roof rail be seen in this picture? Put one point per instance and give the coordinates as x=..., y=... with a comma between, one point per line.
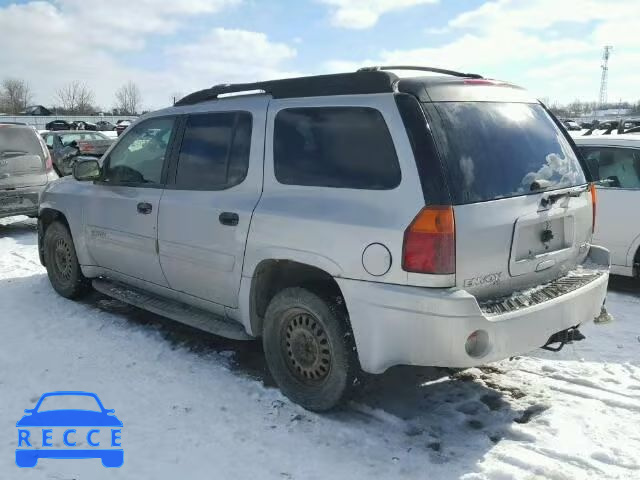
x=420, y=69
x=364, y=82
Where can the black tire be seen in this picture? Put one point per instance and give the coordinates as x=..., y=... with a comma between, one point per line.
x=309, y=349
x=62, y=263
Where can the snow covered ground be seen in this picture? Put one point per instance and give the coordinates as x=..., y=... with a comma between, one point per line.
x=195, y=406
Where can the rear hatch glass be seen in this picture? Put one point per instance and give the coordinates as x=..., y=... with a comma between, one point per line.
x=497, y=150
x=522, y=210
x=22, y=158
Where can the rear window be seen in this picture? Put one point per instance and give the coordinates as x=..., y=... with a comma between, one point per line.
x=498, y=150
x=16, y=141
x=340, y=147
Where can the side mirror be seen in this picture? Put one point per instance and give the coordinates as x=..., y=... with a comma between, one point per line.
x=86, y=170
x=28, y=410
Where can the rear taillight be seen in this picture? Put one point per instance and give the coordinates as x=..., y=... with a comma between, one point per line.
x=48, y=164
x=430, y=242
x=594, y=202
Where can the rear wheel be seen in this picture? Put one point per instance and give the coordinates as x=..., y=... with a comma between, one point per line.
x=62, y=263
x=309, y=349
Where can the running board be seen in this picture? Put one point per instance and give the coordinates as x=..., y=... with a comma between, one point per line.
x=180, y=312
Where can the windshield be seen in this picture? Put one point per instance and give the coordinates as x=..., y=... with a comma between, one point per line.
x=69, y=402
x=497, y=150
x=19, y=141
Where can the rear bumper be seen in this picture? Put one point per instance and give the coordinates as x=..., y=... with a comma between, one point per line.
x=401, y=325
x=21, y=201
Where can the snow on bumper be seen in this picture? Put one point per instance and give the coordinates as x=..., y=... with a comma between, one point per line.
x=402, y=325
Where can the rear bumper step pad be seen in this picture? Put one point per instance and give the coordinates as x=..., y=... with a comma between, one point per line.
x=550, y=291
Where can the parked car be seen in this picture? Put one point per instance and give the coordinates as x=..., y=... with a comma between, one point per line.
x=327, y=216
x=82, y=125
x=55, y=125
x=105, y=126
x=25, y=170
x=571, y=124
x=122, y=125
x=66, y=147
x=615, y=162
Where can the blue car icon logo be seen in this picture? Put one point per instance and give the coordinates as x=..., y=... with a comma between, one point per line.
x=83, y=428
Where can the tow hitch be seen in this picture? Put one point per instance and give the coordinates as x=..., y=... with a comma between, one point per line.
x=564, y=337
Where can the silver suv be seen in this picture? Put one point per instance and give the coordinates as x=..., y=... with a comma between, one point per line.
x=353, y=221
x=25, y=169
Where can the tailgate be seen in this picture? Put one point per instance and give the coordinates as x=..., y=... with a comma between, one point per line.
x=516, y=243
x=523, y=210
x=22, y=171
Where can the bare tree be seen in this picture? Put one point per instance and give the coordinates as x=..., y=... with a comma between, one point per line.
x=128, y=99
x=76, y=98
x=15, y=95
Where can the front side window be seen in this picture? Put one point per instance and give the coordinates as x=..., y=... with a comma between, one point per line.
x=139, y=157
x=340, y=147
x=497, y=150
x=215, y=151
x=615, y=167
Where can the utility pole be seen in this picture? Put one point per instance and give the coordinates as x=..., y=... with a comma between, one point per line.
x=605, y=74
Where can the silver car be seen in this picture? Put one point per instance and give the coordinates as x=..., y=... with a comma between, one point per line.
x=25, y=170
x=352, y=221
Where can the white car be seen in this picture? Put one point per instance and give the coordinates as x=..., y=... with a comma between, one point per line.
x=615, y=162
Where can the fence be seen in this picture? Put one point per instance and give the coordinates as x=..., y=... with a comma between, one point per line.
x=39, y=122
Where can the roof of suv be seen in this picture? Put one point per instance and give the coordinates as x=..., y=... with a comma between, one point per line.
x=443, y=87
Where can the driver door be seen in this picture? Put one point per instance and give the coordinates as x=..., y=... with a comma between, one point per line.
x=121, y=218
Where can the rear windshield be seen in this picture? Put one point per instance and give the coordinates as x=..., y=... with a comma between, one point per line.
x=16, y=141
x=499, y=150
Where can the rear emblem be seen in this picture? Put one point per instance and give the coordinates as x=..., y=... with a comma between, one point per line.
x=546, y=236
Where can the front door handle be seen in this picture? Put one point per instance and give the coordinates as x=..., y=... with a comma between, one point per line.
x=229, y=218
x=144, y=208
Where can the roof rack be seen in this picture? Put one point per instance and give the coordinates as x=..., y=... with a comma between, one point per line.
x=361, y=82
x=420, y=69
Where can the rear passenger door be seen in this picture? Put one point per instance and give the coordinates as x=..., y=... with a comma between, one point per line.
x=213, y=188
x=619, y=170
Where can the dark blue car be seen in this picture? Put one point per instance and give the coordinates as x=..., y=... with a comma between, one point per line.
x=95, y=418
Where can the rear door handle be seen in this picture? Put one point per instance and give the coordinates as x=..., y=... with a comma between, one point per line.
x=229, y=218
x=144, y=208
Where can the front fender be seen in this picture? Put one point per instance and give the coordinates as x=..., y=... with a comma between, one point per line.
x=65, y=196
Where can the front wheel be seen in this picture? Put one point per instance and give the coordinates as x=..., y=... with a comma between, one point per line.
x=309, y=349
x=62, y=263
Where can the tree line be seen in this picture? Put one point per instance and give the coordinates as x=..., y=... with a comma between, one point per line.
x=578, y=108
x=74, y=98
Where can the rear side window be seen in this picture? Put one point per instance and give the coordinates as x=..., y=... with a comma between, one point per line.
x=340, y=147
x=615, y=167
x=497, y=150
x=214, y=154
x=16, y=141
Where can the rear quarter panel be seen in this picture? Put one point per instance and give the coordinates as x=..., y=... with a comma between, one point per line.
x=331, y=227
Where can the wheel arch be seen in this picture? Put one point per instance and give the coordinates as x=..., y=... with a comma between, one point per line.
x=271, y=276
x=45, y=218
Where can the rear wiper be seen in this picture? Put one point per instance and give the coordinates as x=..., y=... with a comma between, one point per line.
x=554, y=197
x=12, y=153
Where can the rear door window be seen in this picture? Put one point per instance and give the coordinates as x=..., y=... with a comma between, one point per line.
x=214, y=154
x=497, y=150
x=340, y=147
x=615, y=167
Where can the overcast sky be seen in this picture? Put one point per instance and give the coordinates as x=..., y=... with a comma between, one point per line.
x=552, y=47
